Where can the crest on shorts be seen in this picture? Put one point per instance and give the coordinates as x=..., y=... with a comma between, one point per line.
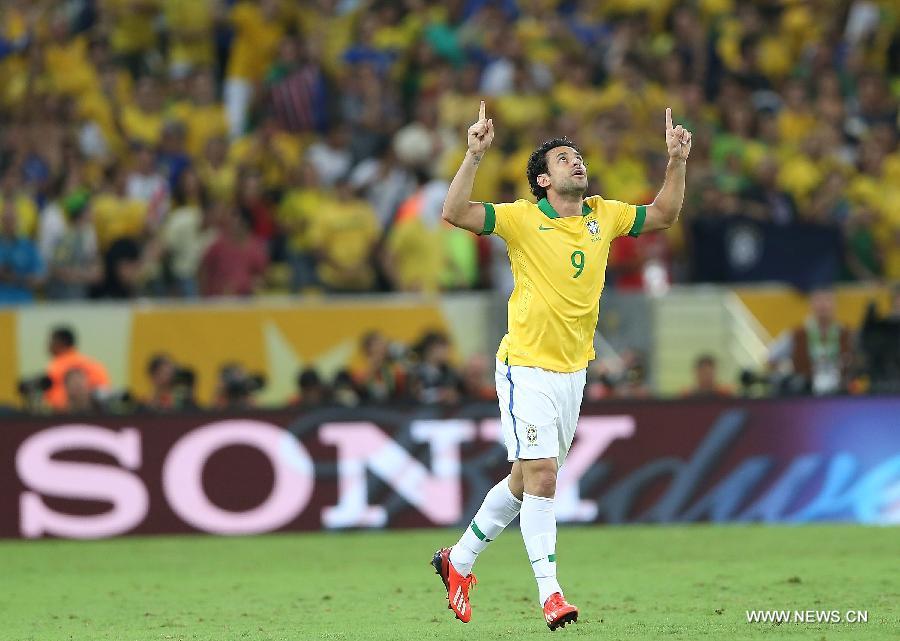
x=531, y=434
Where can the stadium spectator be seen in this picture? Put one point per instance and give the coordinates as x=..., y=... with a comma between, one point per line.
x=189, y=29
x=331, y=156
x=297, y=216
x=142, y=119
x=21, y=266
x=643, y=263
x=147, y=184
x=706, y=380
x=52, y=225
x=172, y=157
x=422, y=252
x=187, y=234
x=819, y=352
x=298, y=87
x=254, y=205
x=384, y=181
x=217, y=172
x=75, y=265
x=123, y=273
x=764, y=199
x=344, y=240
x=235, y=263
x=114, y=213
x=201, y=112
x=258, y=28
x=64, y=357
x=433, y=380
x=380, y=378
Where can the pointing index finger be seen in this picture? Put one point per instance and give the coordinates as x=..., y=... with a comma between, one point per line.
x=481, y=112
x=668, y=118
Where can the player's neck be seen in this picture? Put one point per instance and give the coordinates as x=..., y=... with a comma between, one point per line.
x=565, y=205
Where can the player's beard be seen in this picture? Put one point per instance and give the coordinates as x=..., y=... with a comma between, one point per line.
x=572, y=188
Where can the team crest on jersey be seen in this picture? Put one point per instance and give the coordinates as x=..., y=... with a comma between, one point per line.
x=594, y=227
x=531, y=434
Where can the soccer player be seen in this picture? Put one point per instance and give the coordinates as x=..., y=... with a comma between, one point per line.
x=557, y=250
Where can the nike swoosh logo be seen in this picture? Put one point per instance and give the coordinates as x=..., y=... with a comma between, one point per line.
x=542, y=228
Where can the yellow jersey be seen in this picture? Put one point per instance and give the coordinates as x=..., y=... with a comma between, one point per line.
x=559, y=268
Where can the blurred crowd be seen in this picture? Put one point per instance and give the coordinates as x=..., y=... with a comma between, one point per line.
x=820, y=357
x=211, y=147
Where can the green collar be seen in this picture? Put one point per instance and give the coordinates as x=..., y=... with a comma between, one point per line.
x=545, y=206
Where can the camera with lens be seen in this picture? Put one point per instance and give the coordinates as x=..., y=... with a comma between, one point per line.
x=36, y=385
x=237, y=386
x=184, y=377
x=32, y=392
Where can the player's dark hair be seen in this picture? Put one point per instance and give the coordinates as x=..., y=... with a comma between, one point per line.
x=537, y=163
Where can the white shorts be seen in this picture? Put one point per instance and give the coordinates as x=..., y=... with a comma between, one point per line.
x=538, y=410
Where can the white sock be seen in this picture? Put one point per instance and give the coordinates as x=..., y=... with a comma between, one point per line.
x=496, y=512
x=538, y=522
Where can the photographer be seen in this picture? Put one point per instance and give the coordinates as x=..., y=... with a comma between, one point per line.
x=79, y=397
x=819, y=353
x=381, y=379
x=237, y=387
x=880, y=343
x=706, y=380
x=434, y=381
x=62, y=348
x=312, y=390
x=172, y=386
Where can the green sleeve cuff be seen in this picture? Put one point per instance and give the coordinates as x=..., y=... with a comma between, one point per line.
x=639, y=217
x=490, y=219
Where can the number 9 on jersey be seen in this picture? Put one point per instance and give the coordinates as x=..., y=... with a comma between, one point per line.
x=578, y=262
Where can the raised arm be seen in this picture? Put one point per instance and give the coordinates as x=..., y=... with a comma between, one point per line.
x=458, y=209
x=664, y=211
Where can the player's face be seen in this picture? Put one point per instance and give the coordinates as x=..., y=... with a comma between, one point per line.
x=566, y=171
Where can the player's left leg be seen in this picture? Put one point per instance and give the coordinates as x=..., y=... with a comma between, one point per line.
x=454, y=565
x=538, y=523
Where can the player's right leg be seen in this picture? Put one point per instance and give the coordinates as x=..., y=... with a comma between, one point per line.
x=454, y=565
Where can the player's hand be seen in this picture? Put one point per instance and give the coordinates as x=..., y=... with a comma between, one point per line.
x=481, y=134
x=678, y=139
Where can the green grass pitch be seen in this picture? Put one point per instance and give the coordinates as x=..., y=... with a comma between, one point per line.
x=693, y=582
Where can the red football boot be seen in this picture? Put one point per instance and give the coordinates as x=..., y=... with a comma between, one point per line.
x=558, y=612
x=457, y=585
